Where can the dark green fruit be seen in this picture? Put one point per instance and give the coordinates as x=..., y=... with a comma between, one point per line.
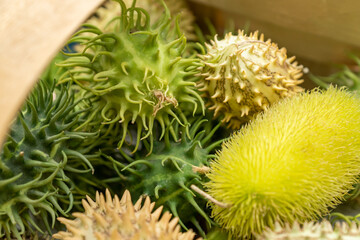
x=168, y=174
x=40, y=151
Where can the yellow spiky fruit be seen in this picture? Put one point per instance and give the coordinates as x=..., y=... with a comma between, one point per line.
x=313, y=231
x=114, y=219
x=294, y=162
x=243, y=75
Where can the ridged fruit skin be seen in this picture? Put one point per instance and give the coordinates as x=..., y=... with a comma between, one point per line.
x=115, y=219
x=166, y=175
x=156, y=10
x=242, y=75
x=134, y=74
x=292, y=163
x=313, y=231
x=40, y=151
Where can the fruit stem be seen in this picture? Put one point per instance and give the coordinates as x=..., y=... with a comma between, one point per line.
x=208, y=197
x=201, y=170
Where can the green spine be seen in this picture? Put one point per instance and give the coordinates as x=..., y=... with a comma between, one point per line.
x=40, y=150
x=135, y=74
x=166, y=175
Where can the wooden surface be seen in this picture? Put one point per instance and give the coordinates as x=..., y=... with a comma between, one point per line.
x=31, y=33
x=323, y=31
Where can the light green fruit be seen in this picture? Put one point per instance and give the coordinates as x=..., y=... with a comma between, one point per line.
x=134, y=74
x=242, y=75
x=313, y=231
x=294, y=162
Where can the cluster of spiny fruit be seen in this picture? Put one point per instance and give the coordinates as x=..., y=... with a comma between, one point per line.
x=124, y=114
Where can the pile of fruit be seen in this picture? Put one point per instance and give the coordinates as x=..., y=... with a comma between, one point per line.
x=186, y=138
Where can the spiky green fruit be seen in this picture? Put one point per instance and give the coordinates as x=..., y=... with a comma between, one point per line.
x=292, y=163
x=243, y=75
x=116, y=219
x=313, y=231
x=167, y=174
x=154, y=7
x=134, y=74
x=40, y=151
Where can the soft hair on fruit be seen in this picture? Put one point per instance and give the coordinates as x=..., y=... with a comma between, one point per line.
x=114, y=219
x=292, y=163
x=243, y=75
x=312, y=231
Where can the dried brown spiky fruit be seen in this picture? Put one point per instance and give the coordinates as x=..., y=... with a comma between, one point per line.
x=243, y=75
x=113, y=219
x=313, y=231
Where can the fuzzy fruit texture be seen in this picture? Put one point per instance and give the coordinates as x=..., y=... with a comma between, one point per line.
x=243, y=75
x=291, y=163
x=313, y=231
x=114, y=219
x=36, y=159
x=134, y=74
x=167, y=174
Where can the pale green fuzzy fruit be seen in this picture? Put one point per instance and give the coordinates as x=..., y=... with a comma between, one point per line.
x=313, y=231
x=243, y=75
x=292, y=163
x=134, y=74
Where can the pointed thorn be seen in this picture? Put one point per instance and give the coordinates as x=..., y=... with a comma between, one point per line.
x=238, y=99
